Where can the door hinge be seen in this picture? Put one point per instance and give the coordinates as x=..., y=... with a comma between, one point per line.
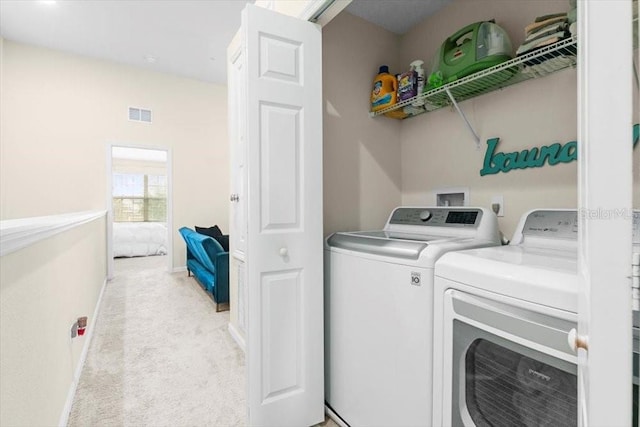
x=635, y=282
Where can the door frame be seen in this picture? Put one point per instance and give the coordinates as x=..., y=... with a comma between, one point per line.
x=317, y=11
x=109, y=201
x=605, y=188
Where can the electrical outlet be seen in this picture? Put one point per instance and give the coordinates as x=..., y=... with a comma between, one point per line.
x=497, y=205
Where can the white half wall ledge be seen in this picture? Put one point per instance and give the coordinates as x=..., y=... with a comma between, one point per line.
x=16, y=234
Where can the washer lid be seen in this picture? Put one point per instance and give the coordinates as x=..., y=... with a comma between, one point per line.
x=397, y=245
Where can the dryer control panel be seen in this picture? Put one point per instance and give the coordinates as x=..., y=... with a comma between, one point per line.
x=563, y=224
x=437, y=217
x=556, y=224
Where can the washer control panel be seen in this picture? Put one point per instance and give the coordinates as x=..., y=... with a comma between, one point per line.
x=437, y=217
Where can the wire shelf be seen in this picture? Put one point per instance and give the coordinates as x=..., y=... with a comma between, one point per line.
x=536, y=64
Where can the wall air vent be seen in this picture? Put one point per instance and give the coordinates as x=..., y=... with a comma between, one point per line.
x=139, y=114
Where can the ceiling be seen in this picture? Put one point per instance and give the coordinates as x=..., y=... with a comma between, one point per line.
x=397, y=16
x=188, y=38
x=184, y=37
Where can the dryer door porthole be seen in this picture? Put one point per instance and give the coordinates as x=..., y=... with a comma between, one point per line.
x=503, y=387
x=514, y=375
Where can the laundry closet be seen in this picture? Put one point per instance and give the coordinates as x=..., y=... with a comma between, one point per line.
x=373, y=164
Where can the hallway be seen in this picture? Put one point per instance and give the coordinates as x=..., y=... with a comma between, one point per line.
x=160, y=355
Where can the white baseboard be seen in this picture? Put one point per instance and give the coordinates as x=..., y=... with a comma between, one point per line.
x=66, y=411
x=334, y=416
x=179, y=269
x=237, y=337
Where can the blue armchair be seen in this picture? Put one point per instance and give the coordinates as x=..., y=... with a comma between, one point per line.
x=209, y=263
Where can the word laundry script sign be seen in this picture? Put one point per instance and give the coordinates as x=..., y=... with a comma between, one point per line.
x=535, y=157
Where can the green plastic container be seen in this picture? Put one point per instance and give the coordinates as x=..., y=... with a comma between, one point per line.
x=473, y=48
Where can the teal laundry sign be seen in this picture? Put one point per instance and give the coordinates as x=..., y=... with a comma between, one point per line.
x=496, y=161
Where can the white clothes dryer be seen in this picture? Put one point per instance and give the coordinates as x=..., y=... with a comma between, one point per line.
x=501, y=320
x=378, y=311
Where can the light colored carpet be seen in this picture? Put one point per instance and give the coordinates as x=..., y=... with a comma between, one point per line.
x=160, y=355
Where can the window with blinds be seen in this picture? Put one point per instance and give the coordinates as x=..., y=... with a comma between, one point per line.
x=139, y=198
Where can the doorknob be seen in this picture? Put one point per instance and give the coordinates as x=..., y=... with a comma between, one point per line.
x=577, y=341
x=284, y=252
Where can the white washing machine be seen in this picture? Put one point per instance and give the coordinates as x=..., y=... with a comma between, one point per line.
x=378, y=311
x=501, y=320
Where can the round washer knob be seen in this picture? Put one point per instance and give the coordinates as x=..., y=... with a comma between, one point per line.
x=425, y=215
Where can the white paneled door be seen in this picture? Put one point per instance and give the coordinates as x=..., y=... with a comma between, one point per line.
x=284, y=265
x=605, y=189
